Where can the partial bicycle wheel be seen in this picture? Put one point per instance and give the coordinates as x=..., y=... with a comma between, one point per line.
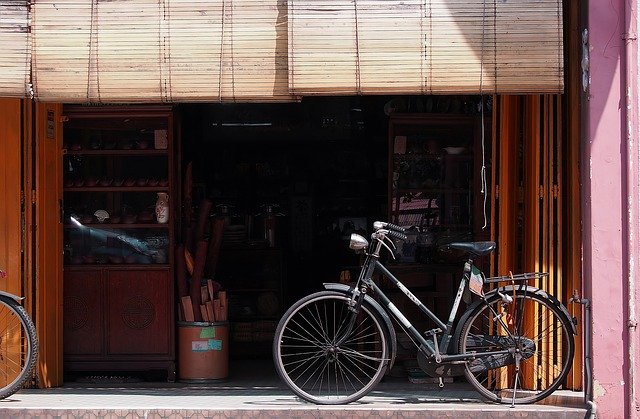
x=324, y=360
x=540, y=340
x=18, y=346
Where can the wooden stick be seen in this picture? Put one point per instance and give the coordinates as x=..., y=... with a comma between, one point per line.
x=203, y=313
x=204, y=294
x=210, y=311
x=188, y=309
x=222, y=296
x=212, y=293
x=217, y=310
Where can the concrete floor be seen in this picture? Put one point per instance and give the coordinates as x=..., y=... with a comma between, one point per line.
x=253, y=390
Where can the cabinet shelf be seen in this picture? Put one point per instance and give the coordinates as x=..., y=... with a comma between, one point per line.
x=441, y=190
x=116, y=266
x=120, y=225
x=431, y=189
x=232, y=290
x=117, y=189
x=115, y=152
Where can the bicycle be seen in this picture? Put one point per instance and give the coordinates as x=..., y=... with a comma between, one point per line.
x=334, y=346
x=18, y=344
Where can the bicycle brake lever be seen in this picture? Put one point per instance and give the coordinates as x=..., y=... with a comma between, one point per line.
x=382, y=242
x=393, y=245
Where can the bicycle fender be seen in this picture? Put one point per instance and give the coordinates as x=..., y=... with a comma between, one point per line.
x=12, y=296
x=393, y=344
x=508, y=290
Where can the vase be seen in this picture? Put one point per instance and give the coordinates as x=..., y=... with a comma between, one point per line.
x=162, y=208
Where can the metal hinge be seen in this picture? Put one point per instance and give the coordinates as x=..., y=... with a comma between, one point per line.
x=33, y=196
x=541, y=192
x=555, y=191
x=584, y=62
x=497, y=189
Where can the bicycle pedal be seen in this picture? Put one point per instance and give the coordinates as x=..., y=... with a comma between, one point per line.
x=432, y=332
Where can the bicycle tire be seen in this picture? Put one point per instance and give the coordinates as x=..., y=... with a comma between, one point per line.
x=18, y=346
x=313, y=366
x=540, y=334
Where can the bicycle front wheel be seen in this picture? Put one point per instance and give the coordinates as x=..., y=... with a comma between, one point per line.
x=326, y=357
x=540, y=344
x=18, y=346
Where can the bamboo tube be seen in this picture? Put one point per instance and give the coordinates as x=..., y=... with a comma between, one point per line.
x=217, y=228
x=181, y=272
x=198, y=269
x=203, y=216
x=199, y=261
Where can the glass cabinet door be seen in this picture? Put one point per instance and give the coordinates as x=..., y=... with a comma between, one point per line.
x=116, y=170
x=432, y=183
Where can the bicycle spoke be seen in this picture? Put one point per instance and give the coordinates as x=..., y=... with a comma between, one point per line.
x=542, y=348
x=325, y=354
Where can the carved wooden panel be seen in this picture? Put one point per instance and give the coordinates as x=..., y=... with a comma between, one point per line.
x=138, y=311
x=83, y=308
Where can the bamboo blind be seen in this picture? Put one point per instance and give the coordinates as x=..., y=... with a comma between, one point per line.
x=15, y=50
x=160, y=50
x=425, y=46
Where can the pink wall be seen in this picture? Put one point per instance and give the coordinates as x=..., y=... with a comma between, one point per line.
x=608, y=227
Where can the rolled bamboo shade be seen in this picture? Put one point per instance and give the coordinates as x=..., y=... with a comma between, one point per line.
x=425, y=46
x=15, y=49
x=129, y=51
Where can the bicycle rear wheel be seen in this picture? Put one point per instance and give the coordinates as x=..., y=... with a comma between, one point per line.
x=320, y=359
x=540, y=340
x=18, y=346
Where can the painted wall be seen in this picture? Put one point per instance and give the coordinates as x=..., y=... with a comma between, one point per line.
x=610, y=207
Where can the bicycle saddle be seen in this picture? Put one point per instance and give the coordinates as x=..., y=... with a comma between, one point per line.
x=477, y=248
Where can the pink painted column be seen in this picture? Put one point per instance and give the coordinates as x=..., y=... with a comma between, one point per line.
x=610, y=191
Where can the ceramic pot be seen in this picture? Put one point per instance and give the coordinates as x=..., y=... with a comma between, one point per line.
x=162, y=208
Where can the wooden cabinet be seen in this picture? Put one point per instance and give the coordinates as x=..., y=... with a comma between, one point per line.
x=118, y=252
x=434, y=185
x=434, y=182
x=118, y=319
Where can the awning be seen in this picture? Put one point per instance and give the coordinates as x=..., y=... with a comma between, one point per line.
x=160, y=50
x=425, y=46
x=15, y=49
x=151, y=51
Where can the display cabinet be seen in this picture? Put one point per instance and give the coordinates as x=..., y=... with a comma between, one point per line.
x=434, y=187
x=119, y=215
x=434, y=182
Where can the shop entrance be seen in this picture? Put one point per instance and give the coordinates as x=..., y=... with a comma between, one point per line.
x=288, y=183
x=293, y=180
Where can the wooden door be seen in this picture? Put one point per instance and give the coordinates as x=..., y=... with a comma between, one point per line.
x=10, y=197
x=536, y=210
x=47, y=235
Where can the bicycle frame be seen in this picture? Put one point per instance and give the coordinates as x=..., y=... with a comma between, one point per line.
x=429, y=348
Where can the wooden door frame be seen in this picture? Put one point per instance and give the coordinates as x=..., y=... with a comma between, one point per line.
x=42, y=160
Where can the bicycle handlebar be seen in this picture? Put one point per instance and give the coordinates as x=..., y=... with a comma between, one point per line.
x=391, y=227
x=397, y=235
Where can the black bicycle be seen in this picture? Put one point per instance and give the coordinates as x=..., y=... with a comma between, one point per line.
x=514, y=344
x=18, y=344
